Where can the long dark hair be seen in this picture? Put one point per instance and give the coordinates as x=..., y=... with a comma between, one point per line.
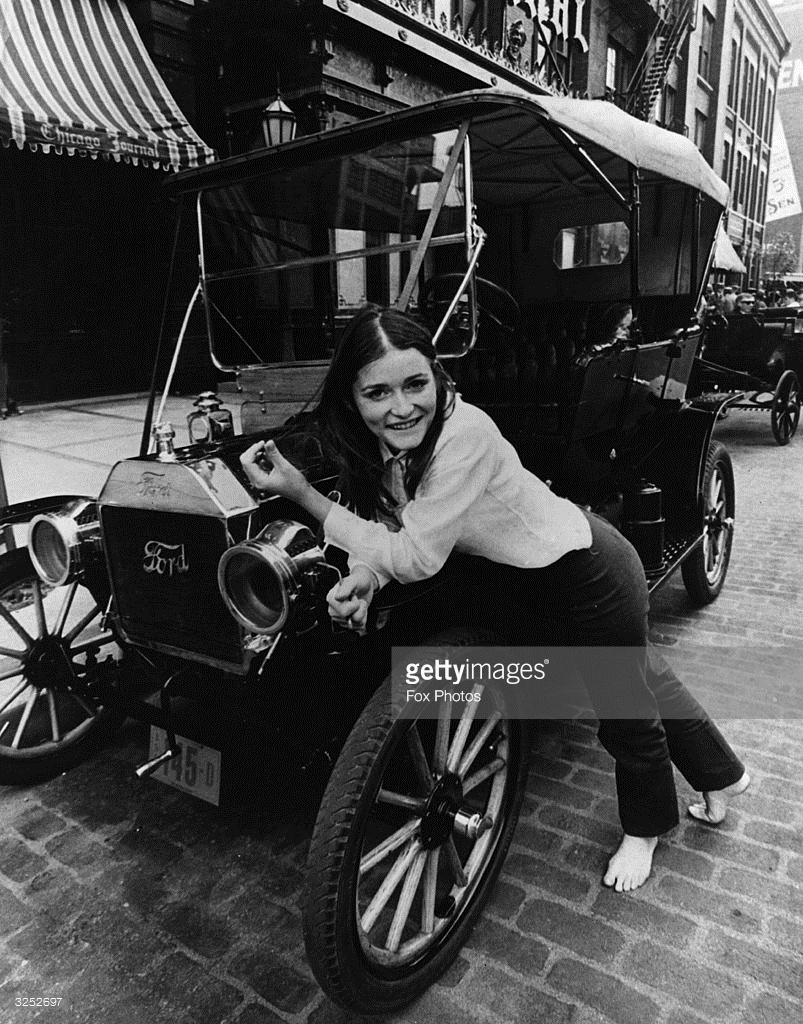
x=372, y=332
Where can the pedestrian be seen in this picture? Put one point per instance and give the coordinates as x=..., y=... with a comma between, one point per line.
x=414, y=455
x=761, y=300
x=728, y=300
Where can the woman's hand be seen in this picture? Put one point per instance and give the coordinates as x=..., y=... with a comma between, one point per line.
x=268, y=470
x=349, y=600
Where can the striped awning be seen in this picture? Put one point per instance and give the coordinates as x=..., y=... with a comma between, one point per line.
x=75, y=78
x=725, y=256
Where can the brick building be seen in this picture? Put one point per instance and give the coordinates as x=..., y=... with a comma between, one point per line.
x=721, y=92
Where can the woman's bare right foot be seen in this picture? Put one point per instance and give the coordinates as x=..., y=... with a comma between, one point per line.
x=712, y=811
x=630, y=866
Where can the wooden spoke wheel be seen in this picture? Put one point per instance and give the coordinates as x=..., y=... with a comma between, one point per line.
x=51, y=646
x=785, y=412
x=411, y=834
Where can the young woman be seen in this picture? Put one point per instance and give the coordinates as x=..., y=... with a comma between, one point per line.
x=426, y=474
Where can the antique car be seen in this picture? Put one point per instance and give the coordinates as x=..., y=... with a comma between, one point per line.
x=755, y=359
x=518, y=227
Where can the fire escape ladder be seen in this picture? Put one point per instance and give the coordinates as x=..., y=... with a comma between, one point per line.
x=675, y=21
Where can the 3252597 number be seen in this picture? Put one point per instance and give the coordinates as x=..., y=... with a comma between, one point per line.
x=40, y=1001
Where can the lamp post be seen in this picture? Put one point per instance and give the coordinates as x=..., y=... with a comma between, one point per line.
x=278, y=122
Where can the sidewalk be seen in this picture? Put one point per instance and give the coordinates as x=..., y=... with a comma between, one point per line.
x=69, y=447
x=146, y=906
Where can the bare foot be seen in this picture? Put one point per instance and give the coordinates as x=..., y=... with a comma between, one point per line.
x=712, y=812
x=630, y=866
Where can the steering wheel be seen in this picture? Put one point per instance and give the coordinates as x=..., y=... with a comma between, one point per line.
x=494, y=304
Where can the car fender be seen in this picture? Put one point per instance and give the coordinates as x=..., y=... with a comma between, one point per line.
x=690, y=433
x=24, y=511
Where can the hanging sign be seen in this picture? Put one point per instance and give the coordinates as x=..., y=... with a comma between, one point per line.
x=783, y=197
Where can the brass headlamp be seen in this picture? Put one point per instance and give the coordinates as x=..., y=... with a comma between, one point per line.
x=262, y=579
x=63, y=544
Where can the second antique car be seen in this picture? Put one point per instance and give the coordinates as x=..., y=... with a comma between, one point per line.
x=755, y=360
x=527, y=231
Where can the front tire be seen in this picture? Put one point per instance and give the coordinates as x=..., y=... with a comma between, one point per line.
x=705, y=569
x=394, y=885
x=50, y=645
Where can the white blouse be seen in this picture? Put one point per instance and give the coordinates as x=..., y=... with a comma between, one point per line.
x=475, y=497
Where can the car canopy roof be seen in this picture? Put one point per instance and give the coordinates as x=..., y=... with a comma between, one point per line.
x=517, y=155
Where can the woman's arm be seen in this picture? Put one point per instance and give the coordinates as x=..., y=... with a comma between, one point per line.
x=269, y=471
x=432, y=522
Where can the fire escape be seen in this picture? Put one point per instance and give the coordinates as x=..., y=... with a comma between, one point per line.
x=675, y=22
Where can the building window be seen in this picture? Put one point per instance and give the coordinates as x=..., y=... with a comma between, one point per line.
x=743, y=105
x=768, y=122
x=750, y=85
x=618, y=67
x=745, y=189
x=473, y=15
x=762, y=95
x=668, y=106
x=726, y=162
x=700, y=121
x=737, y=181
x=733, y=83
x=754, y=194
x=704, y=63
x=610, y=68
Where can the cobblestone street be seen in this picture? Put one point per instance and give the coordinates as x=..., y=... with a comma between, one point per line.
x=141, y=904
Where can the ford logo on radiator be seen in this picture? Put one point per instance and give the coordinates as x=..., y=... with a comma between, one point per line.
x=165, y=558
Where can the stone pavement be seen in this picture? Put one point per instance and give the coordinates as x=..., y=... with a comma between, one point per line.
x=142, y=904
x=69, y=448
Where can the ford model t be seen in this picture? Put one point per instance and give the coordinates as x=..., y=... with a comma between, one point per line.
x=529, y=232
x=755, y=359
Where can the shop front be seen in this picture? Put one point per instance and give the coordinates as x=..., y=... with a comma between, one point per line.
x=89, y=129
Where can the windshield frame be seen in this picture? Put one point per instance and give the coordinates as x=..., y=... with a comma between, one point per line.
x=470, y=236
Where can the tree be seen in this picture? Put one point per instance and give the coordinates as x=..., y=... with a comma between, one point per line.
x=779, y=255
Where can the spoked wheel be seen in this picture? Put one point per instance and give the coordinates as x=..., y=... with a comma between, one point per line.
x=705, y=569
x=51, y=646
x=411, y=834
x=785, y=414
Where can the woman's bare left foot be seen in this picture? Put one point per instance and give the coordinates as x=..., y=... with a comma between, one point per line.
x=712, y=812
x=630, y=866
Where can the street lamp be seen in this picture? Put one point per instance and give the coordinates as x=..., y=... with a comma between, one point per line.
x=278, y=122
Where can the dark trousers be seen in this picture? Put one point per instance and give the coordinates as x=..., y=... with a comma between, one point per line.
x=599, y=598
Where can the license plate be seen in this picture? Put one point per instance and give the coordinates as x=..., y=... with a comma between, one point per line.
x=196, y=770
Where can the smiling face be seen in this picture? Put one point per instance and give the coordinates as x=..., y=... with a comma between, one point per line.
x=396, y=397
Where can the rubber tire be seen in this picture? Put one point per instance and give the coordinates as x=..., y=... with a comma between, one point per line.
x=332, y=943
x=16, y=568
x=787, y=382
x=700, y=589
